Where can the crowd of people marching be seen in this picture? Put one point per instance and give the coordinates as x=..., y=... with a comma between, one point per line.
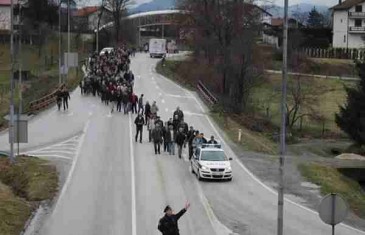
x=110, y=78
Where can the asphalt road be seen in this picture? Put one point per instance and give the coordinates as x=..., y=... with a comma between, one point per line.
x=117, y=186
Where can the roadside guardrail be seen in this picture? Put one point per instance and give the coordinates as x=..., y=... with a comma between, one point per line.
x=44, y=102
x=206, y=94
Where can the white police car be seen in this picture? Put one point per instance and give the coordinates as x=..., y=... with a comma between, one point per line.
x=210, y=162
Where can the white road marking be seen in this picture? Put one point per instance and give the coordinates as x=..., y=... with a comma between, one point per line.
x=74, y=163
x=218, y=227
x=51, y=151
x=133, y=184
x=180, y=96
x=63, y=143
x=49, y=156
x=193, y=114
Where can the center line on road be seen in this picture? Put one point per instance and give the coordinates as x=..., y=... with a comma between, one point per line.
x=134, y=222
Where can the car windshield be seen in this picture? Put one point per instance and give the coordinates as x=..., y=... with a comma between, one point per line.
x=213, y=156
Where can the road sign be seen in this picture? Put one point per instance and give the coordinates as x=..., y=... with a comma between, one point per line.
x=71, y=59
x=332, y=210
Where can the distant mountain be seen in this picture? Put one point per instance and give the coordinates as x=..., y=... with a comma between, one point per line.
x=278, y=11
x=154, y=5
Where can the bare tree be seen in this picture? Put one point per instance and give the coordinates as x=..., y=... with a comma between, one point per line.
x=118, y=9
x=304, y=95
x=225, y=32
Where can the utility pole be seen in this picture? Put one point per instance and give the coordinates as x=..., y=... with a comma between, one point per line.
x=68, y=34
x=12, y=57
x=59, y=44
x=20, y=108
x=280, y=221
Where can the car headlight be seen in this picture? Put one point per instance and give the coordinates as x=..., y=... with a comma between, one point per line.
x=229, y=168
x=205, y=168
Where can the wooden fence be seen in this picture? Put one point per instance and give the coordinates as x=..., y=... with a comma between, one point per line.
x=334, y=53
x=44, y=102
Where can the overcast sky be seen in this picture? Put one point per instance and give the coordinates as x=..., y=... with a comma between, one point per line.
x=278, y=2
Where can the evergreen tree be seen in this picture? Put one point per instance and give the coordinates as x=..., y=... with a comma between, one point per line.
x=315, y=19
x=351, y=118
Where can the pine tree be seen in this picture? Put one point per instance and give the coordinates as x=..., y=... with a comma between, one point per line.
x=315, y=19
x=351, y=118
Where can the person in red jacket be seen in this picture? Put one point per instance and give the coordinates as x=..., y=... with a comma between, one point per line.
x=134, y=101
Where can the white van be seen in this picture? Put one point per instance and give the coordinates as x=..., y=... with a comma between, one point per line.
x=157, y=47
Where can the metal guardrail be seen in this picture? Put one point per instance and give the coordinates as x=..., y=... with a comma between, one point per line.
x=45, y=101
x=206, y=94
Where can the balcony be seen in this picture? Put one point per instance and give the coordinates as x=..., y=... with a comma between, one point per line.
x=356, y=14
x=354, y=29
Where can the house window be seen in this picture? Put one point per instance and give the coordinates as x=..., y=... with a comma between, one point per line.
x=358, y=8
x=358, y=23
x=344, y=38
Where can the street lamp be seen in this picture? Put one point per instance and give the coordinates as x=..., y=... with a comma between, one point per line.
x=280, y=218
x=12, y=57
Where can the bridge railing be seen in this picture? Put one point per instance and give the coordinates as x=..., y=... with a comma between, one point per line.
x=206, y=94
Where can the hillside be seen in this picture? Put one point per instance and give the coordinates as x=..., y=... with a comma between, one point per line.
x=154, y=5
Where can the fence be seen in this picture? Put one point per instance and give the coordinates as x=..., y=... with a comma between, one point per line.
x=334, y=53
x=206, y=94
x=44, y=102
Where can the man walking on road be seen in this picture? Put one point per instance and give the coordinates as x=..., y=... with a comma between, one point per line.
x=180, y=141
x=65, y=97
x=140, y=105
x=139, y=127
x=157, y=138
x=168, y=225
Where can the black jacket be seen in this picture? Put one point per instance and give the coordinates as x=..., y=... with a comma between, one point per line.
x=180, y=138
x=139, y=121
x=168, y=224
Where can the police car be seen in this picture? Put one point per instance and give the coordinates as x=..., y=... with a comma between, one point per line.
x=210, y=162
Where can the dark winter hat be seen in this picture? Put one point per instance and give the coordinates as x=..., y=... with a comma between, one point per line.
x=167, y=208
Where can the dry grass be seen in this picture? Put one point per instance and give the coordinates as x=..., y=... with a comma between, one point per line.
x=14, y=212
x=332, y=181
x=23, y=184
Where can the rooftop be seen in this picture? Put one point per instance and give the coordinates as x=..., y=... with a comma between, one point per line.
x=85, y=11
x=7, y=2
x=347, y=4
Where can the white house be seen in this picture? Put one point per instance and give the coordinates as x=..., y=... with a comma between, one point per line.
x=4, y=15
x=349, y=24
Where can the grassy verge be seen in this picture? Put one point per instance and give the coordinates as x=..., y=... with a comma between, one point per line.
x=331, y=180
x=14, y=212
x=22, y=186
x=251, y=141
x=170, y=70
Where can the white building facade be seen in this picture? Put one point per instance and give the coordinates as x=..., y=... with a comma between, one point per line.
x=4, y=17
x=349, y=24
